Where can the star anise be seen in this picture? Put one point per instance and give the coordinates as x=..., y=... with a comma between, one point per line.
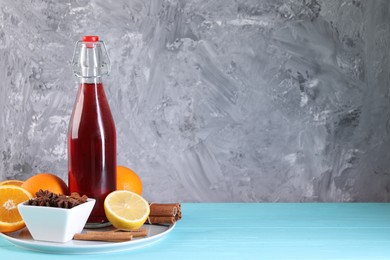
x=66, y=202
x=43, y=198
x=50, y=199
x=45, y=194
x=76, y=196
x=39, y=202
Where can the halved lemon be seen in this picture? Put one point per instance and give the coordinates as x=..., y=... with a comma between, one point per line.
x=126, y=209
x=10, y=197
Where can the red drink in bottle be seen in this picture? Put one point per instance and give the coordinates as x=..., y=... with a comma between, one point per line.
x=91, y=133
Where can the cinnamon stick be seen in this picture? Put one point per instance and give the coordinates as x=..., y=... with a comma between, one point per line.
x=104, y=236
x=160, y=220
x=167, y=209
x=164, y=213
x=178, y=216
x=163, y=210
x=142, y=232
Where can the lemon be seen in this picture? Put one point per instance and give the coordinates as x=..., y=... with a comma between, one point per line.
x=126, y=209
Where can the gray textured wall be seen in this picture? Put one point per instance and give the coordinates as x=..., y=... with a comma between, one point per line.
x=213, y=100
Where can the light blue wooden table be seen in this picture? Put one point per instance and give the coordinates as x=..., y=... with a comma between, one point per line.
x=260, y=231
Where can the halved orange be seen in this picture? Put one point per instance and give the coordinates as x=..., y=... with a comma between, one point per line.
x=12, y=182
x=10, y=197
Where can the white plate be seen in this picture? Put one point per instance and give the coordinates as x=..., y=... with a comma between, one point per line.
x=23, y=239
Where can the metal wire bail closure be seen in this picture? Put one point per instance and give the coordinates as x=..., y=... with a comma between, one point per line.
x=90, y=60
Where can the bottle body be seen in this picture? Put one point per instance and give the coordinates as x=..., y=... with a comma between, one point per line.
x=91, y=133
x=92, y=148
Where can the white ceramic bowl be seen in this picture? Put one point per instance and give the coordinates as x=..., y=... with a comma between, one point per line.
x=55, y=224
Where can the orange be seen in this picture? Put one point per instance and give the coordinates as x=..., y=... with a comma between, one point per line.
x=127, y=179
x=10, y=197
x=12, y=182
x=45, y=181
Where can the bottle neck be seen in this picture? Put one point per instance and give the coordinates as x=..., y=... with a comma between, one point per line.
x=95, y=80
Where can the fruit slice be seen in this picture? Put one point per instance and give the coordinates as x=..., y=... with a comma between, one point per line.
x=126, y=209
x=127, y=179
x=10, y=197
x=45, y=181
x=12, y=182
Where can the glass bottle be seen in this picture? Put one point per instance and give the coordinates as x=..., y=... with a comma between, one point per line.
x=91, y=133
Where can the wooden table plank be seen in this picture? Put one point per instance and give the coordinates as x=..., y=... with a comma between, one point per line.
x=263, y=231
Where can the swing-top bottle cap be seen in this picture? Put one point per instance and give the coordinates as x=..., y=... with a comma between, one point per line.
x=90, y=38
